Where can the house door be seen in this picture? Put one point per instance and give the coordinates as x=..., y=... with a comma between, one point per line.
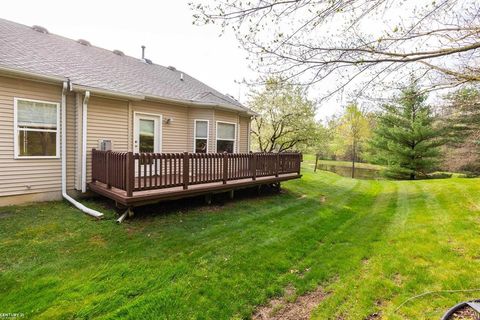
x=147, y=133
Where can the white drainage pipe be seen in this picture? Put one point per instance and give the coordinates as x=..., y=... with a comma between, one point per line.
x=77, y=204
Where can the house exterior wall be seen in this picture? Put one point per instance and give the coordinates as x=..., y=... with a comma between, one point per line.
x=25, y=180
x=174, y=134
x=106, y=119
x=25, y=176
x=113, y=120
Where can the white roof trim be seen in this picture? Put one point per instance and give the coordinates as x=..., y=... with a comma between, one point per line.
x=31, y=75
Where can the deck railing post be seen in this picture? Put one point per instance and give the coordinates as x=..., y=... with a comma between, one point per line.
x=94, y=167
x=225, y=167
x=107, y=169
x=299, y=161
x=130, y=174
x=254, y=166
x=186, y=170
x=277, y=164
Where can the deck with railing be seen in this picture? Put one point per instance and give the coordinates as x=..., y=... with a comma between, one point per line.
x=134, y=178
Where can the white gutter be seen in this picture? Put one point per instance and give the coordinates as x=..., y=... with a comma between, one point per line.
x=105, y=93
x=31, y=75
x=77, y=204
x=194, y=103
x=84, y=140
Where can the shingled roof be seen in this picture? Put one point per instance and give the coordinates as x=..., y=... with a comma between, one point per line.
x=30, y=50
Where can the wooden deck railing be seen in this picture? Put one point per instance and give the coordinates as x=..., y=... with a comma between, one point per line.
x=145, y=171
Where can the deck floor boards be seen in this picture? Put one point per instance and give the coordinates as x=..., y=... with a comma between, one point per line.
x=171, y=193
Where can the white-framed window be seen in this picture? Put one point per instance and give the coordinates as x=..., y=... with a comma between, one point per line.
x=36, y=129
x=226, y=136
x=200, y=136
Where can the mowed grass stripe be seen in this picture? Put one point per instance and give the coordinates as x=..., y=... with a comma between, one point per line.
x=347, y=298
x=287, y=247
x=370, y=244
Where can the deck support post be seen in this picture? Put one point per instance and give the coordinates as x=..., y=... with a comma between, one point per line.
x=130, y=174
x=128, y=213
x=276, y=186
x=231, y=194
x=186, y=170
x=225, y=167
x=208, y=198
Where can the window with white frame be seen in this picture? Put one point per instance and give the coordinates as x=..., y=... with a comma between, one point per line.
x=226, y=136
x=36, y=129
x=201, y=136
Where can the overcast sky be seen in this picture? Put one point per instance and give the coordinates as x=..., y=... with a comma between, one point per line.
x=164, y=27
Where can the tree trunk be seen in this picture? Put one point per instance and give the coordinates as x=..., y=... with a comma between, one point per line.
x=353, y=158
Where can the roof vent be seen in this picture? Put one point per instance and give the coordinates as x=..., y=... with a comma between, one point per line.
x=40, y=29
x=119, y=53
x=147, y=61
x=84, y=42
x=171, y=68
x=230, y=96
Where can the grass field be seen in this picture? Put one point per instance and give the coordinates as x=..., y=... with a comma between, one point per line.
x=369, y=244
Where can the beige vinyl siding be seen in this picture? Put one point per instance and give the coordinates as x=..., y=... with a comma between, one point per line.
x=201, y=114
x=78, y=142
x=175, y=134
x=25, y=176
x=71, y=141
x=244, y=134
x=107, y=119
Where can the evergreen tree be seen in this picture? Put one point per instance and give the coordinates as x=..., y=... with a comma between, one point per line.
x=407, y=136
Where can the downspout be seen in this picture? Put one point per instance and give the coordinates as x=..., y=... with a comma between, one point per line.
x=84, y=140
x=77, y=204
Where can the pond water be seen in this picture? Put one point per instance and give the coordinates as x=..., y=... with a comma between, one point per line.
x=360, y=173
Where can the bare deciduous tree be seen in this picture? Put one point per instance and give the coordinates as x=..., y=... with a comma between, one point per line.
x=359, y=42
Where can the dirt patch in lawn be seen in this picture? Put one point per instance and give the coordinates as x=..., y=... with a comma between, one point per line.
x=375, y=315
x=98, y=241
x=465, y=313
x=281, y=309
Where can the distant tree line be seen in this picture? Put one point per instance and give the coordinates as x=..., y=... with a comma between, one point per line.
x=407, y=135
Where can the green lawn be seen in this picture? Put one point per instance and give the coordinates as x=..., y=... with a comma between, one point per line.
x=369, y=244
x=311, y=158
